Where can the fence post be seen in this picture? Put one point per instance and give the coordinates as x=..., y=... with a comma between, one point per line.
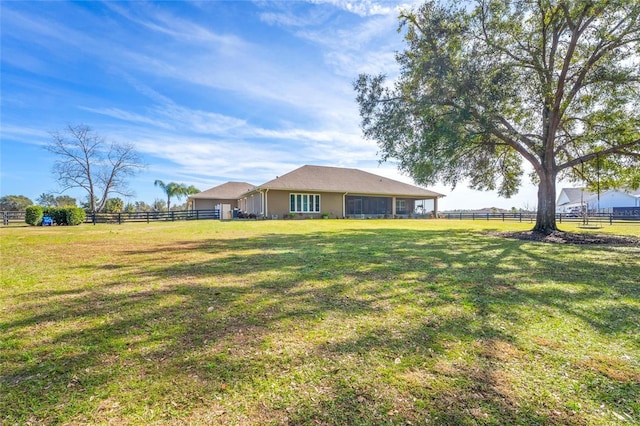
x=197, y=214
x=520, y=216
x=610, y=218
x=119, y=218
x=5, y=218
x=172, y=219
x=560, y=215
x=93, y=218
x=147, y=217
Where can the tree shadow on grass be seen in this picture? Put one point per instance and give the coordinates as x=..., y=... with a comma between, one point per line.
x=237, y=325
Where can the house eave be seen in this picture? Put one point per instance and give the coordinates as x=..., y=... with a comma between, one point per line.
x=431, y=195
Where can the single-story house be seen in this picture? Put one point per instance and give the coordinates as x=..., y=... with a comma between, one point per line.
x=223, y=197
x=314, y=191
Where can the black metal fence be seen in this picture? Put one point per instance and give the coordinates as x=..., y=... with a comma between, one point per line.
x=170, y=216
x=592, y=218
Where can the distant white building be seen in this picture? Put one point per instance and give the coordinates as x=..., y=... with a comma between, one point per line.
x=613, y=198
x=572, y=200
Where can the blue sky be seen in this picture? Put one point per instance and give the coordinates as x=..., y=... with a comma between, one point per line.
x=207, y=92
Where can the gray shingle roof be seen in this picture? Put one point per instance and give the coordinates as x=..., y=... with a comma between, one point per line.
x=226, y=191
x=337, y=179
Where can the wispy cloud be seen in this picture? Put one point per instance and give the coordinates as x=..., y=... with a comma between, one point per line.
x=128, y=116
x=366, y=45
x=158, y=20
x=361, y=7
x=25, y=134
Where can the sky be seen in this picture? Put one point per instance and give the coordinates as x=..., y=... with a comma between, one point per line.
x=207, y=92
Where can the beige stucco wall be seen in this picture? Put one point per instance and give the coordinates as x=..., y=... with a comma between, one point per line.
x=203, y=204
x=278, y=204
x=332, y=204
x=210, y=204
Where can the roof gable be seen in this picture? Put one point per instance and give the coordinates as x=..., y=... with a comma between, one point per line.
x=226, y=191
x=338, y=179
x=573, y=195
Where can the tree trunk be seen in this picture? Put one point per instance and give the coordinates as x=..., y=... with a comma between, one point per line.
x=546, y=216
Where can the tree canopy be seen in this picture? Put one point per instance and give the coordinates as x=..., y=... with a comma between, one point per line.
x=114, y=205
x=553, y=83
x=14, y=203
x=66, y=201
x=50, y=200
x=86, y=160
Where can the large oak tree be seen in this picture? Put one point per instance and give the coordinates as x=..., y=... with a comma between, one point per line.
x=480, y=89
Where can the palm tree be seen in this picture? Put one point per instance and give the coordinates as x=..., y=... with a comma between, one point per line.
x=191, y=190
x=172, y=189
x=178, y=190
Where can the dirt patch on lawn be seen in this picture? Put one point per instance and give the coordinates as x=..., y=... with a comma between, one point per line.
x=559, y=237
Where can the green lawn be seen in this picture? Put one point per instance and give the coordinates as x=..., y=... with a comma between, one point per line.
x=319, y=322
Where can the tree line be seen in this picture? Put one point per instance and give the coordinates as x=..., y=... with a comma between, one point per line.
x=19, y=203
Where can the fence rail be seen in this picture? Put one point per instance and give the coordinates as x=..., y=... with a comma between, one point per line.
x=171, y=216
x=147, y=217
x=593, y=218
x=12, y=217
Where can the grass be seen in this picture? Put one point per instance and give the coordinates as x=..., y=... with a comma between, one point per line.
x=326, y=322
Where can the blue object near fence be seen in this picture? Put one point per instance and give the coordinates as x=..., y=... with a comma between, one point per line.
x=47, y=221
x=626, y=213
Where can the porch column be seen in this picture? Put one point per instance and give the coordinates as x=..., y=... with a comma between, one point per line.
x=344, y=205
x=393, y=206
x=435, y=207
x=266, y=203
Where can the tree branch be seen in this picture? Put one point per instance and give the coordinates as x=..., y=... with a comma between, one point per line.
x=619, y=149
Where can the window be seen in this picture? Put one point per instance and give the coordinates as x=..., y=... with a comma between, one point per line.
x=401, y=206
x=304, y=203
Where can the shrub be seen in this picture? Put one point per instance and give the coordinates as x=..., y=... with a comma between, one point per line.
x=33, y=215
x=56, y=214
x=75, y=215
x=66, y=215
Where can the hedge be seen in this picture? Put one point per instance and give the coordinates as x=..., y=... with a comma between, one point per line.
x=75, y=215
x=65, y=215
x=33, y=215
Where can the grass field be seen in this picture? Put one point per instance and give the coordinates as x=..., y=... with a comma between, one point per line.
x=319, y=322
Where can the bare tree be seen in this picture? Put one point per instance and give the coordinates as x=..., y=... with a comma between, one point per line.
x=85, y=160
